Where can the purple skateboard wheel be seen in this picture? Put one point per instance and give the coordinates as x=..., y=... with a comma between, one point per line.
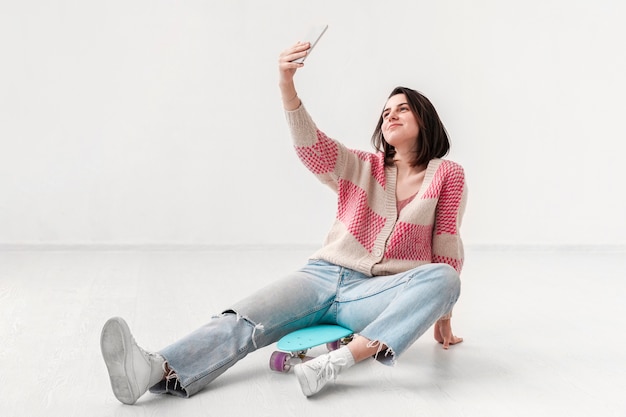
x=279, y=362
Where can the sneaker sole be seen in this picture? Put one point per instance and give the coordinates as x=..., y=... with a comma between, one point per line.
x=116, y=344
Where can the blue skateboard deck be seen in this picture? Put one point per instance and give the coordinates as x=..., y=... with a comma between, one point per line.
x=293, y=347
x=312, y=336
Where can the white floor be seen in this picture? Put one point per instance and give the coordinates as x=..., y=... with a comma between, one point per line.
x=544, y=336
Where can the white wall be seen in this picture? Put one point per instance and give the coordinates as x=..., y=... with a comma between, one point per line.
x=153, y=121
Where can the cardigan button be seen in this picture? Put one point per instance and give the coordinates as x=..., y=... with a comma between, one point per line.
x=377, y=252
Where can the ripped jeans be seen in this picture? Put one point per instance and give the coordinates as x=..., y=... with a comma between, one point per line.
x=392, y=310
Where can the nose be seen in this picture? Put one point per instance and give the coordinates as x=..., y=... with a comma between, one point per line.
x=392, y=115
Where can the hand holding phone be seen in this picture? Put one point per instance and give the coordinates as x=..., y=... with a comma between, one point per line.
x=312, y=37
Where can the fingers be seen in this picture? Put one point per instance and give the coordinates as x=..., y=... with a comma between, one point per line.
x=444, y=335
x=451, y=340
x=299, y=48
x=292, y=53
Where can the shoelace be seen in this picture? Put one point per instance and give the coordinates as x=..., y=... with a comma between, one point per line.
x=328, y=367
x=169, y=375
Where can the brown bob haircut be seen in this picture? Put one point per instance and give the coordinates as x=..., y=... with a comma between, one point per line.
x=432, y=139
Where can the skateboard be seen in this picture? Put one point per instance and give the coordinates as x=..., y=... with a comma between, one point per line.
x=294, y=346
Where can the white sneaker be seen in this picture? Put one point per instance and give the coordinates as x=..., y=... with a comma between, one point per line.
x=132, y=370
x=314, y=374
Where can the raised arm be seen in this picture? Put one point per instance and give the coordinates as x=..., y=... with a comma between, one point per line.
x=286, y=70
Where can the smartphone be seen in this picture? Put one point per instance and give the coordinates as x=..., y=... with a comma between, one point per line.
x=312, y=37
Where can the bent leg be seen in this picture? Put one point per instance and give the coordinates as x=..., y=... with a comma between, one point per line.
x=399, y=309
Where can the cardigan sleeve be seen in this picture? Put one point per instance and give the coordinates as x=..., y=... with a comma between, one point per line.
x=323, y=156
x=447, y=243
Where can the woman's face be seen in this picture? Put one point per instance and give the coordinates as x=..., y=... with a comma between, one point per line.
x=399, y=128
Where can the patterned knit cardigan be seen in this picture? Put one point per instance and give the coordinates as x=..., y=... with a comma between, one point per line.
x=368, y=235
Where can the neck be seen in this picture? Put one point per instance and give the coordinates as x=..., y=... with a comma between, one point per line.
x=405, y=169
x=402, y=160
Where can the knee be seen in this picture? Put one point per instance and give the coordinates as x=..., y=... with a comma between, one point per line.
x=448, y=279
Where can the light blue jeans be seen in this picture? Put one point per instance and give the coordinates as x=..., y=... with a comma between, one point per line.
x=391, y=310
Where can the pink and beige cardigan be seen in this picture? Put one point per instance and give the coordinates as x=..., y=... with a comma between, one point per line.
x=368, y=234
